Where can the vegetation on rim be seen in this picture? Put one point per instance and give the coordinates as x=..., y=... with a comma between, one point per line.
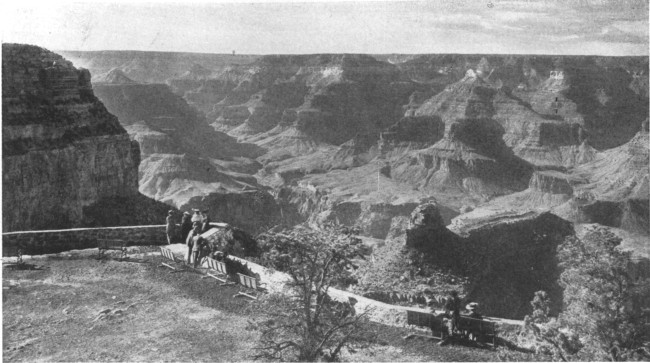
x=605, y=315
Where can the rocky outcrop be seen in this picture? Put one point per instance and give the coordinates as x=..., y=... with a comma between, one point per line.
x=235, y=241
x=427, y=230
x=62, y=150
x=510, y=256
x=550, y=182
x=505, y=256
x=254, y=211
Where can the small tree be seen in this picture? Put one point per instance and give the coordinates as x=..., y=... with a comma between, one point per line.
x=307, y=325
x=604, y=305
x=550, y=337
x=603, y=302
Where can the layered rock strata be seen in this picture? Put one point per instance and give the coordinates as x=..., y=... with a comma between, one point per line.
x=62, y=150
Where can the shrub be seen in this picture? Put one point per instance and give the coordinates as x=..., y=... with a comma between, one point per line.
x=604, y=304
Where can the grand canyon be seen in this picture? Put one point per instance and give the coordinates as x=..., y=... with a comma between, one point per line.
x=464, y=172
x=501, y=150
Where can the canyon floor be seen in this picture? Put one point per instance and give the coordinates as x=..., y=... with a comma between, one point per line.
x=77, y=308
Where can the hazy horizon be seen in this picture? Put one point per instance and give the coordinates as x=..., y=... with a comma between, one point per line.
x=518, y=27
x=330, y=53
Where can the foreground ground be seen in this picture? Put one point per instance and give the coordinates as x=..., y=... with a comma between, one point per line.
x=76, y=308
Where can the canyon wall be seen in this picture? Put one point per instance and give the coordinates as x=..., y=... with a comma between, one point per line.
x=62, y=150
x=506, y=257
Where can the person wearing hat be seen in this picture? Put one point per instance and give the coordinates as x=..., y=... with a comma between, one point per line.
x=196, y=217
x=171, y=227
x=473, y=311
x=186, y=225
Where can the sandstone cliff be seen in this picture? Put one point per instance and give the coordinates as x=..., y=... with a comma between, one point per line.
x=62, y=150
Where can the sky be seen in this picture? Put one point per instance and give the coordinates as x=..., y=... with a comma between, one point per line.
x=593, y=27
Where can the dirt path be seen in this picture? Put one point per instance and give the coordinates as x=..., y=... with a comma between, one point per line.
x=383, y=313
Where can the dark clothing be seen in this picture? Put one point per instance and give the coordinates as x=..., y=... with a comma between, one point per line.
x=196, y=256
x=170, y=229
x=186, y=227
x=205, y=226
x=197, y=246
x=453, y=308
x=474, y=334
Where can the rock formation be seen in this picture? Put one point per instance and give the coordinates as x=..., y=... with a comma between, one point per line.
x=427, y=230
x=378, y=137
x=63, y=152
x=471, y=157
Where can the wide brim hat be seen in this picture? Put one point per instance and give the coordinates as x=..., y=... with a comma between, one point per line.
x=472, y=306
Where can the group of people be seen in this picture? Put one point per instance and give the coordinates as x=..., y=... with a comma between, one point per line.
x=451, y=317
x=192, y=226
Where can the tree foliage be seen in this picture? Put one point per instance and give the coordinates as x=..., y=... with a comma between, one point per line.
x=552, y=338
x=605, y=304
x=307, y=325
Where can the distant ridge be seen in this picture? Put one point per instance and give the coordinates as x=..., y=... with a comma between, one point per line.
x=114, y=76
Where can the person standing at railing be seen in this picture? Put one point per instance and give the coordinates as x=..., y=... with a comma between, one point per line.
x=205, y=223
x=196, y=217
x=473, y=311
x=452, y=313
x=473, y=333
x=186, y=226
x=190, y=240
x=197, y=245
x=170, y=229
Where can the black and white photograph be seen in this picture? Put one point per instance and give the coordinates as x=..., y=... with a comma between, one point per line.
x=325, y=181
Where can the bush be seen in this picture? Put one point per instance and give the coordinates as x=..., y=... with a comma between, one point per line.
x=604, y=305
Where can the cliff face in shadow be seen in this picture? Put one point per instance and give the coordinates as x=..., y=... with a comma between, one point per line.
x=506, y=257
x=63, y=152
